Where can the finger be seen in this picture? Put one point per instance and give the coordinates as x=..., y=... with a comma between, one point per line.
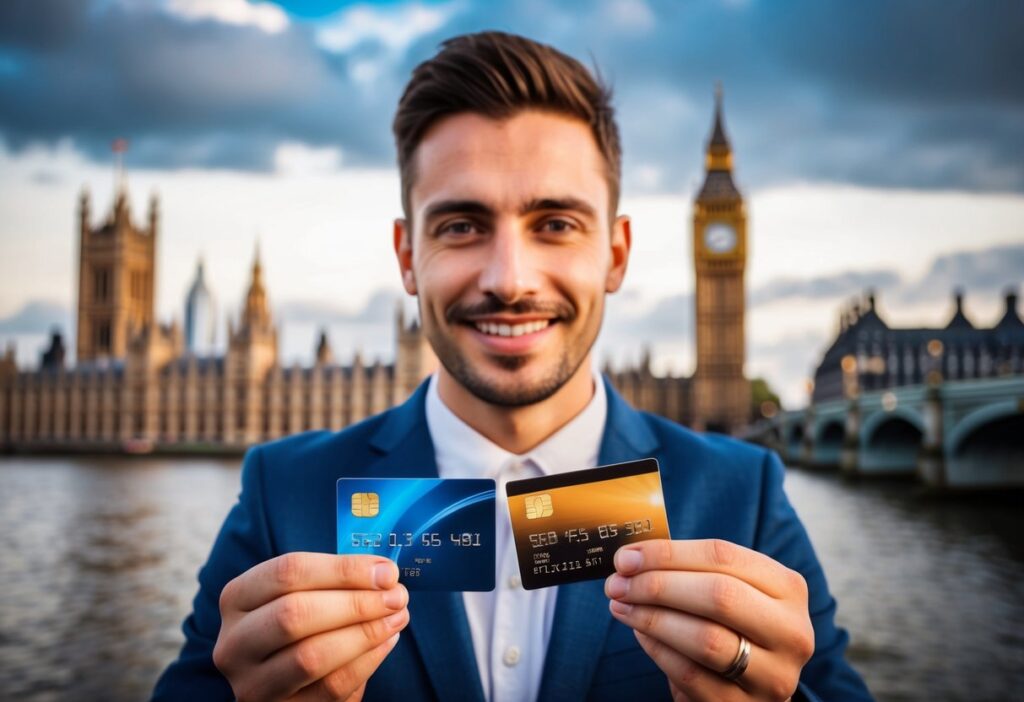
x=677, y=694
x=711, y=556
x=720, y=598
x=292, y=572
x=298, y=615
x=701, y=640
x=344, y=682
x=710, y=645
x=304, y=662
x=696, y=682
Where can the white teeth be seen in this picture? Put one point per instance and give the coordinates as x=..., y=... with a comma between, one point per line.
x=512, y=329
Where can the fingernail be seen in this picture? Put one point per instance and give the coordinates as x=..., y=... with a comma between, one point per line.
x=621, y=607
x=628, y=560
x=395, y=598
x=390, y=643
x=395, y=620
x=617, y=586
x=384, y=575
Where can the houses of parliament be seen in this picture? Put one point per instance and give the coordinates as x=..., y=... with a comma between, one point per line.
x=141, y=385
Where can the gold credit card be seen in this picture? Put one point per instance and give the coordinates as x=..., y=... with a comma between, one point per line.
x=567, y=527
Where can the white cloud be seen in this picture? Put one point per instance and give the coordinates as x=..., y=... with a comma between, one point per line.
x=367, y=71
x=295, y=158
x=395, y=28
x=270, y=18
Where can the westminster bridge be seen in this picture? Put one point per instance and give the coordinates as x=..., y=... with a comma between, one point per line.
x=951, y=434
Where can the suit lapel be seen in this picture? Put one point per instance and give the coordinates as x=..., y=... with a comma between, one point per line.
x=581, y=609
x=437, y=620
x=441, y=631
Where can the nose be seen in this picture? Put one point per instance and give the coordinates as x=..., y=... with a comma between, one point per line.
x=510, y=273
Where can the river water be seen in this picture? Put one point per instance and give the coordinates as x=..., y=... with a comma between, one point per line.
x=98, y=558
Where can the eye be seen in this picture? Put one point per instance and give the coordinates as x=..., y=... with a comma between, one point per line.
x=457, y=228
x=558, y=225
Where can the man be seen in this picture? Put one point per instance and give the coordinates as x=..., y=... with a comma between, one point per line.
x=509, y=157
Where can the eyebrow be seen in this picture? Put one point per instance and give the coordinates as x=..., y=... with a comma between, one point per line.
x=446, y=207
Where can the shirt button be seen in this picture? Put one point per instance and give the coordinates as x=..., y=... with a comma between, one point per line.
x=511, y=656
x=514, y=581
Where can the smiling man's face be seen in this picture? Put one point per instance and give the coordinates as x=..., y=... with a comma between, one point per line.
x=511, y=251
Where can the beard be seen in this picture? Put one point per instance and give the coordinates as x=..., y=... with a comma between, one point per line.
x=514, y=392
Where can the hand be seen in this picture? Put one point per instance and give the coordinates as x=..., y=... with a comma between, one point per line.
x=689, y=601
x=309, y=626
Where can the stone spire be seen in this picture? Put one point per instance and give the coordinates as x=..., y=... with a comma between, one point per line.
x=200, y=315
x=119, y=147
x=1010, y=318
x=256, y=313
x=718, y=137
x=324, y=355
x=719, y=151
x=959, y=320
x=718, y=184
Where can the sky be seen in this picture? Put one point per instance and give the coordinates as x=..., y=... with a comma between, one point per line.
x=878, y=145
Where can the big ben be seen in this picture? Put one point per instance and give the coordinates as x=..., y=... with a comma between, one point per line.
x=721, y=393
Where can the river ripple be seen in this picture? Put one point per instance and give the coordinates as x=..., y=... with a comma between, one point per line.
x=99, y=557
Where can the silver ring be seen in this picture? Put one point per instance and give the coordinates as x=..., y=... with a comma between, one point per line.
x=740, y=662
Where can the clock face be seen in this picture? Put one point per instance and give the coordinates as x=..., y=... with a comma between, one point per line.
x=719, y=238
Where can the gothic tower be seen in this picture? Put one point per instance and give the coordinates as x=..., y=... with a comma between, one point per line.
x=116, y=278
x=414, y=359
x=252, y=353
x=721, y=393
x=200, y=316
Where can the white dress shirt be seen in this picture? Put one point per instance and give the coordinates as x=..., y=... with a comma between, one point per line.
x=511, y=627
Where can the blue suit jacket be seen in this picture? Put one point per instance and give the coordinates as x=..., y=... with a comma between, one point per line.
x=714, y=487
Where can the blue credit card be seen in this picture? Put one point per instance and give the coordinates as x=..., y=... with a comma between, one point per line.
x=440, y=532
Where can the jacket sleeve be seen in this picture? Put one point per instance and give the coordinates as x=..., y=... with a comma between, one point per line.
x=781, y=535
x=244, y=541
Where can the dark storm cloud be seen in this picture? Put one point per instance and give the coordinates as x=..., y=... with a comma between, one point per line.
x=45, y=25
x=36, y=317
x=909, y=94
x=186, y=93
x=840, y=284
x=986, y=272
x=989, y=271
x=993, y=270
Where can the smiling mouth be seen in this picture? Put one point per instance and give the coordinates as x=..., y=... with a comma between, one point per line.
x=512, y=330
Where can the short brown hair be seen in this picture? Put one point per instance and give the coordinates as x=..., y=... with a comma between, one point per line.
x=497, y=75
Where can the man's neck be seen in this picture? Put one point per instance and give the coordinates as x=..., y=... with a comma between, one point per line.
x=519, y=429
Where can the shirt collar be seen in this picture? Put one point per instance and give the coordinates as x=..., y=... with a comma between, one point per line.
x=462, y=452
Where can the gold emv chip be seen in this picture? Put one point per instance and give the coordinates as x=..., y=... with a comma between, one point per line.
x=538, y=506
x=365, y=504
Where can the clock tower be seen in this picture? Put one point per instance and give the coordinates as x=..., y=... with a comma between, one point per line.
x=721, y=393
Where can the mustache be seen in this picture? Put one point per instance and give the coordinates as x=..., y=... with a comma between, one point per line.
x=464, y=312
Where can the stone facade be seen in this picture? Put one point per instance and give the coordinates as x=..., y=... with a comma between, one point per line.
x=869, y=355
x=137, y=386
x=116, y=278
x=158, y=395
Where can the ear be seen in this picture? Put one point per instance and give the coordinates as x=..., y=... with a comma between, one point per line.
x=403, y=252
x=622, y=242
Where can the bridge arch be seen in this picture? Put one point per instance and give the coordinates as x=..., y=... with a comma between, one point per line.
x=794, y=441
x=987, y=446
x=827, y=447
x=890, y=442
x=873, y=420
